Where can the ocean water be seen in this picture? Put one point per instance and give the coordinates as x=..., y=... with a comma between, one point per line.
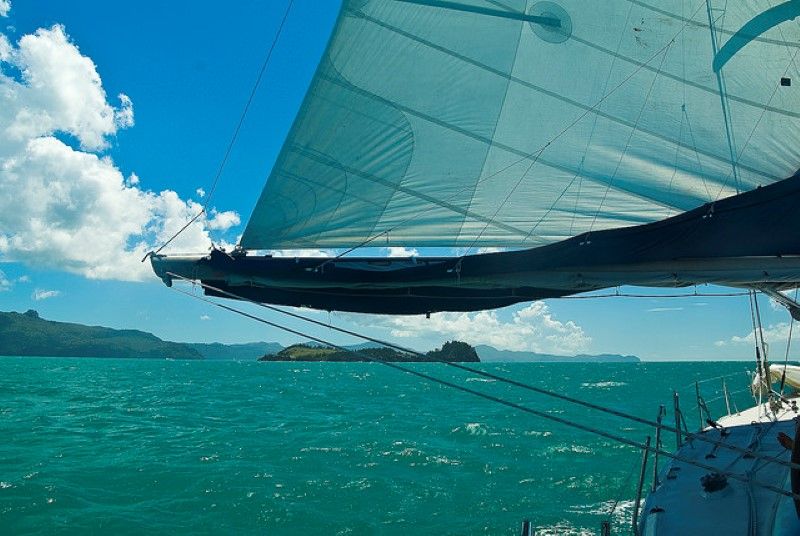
x=111, y=446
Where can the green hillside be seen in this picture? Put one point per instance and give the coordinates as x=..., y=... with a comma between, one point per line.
x=246, y=351
x=451, y=351
x=25, y=334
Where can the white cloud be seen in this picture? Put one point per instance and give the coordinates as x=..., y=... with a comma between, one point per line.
x=401, y=252
x=40, y=294
x=533, y=329
x=776, y=334
x=200, y=193
x=5, y=7
x=5, y=47
x=24, y=279
x=664, y=309
x=222, y=221
x=72, y=209
x=205, y=317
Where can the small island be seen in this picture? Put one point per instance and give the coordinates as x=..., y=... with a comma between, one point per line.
x=452, y=351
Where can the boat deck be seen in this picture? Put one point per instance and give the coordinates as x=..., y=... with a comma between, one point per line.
x=681, y=504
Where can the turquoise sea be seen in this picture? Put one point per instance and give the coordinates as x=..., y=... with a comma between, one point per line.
x=112, y=446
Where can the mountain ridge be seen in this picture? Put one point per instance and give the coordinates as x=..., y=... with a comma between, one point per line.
x=26, y=334
x=492, y=354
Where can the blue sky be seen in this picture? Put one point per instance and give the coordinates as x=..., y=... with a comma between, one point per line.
x=187, y=69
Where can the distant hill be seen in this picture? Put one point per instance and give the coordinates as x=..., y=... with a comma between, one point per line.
x=248, y=351
x=451, y=351
x=489, y=353
x=25, y=334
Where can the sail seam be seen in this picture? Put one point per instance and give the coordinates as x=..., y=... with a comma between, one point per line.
x=494, y=132
x=523, y=156
x=325, y=159
x=630, y=137
x=590, y=108
x=579, y=174
x=518, y=152
x=693, y=22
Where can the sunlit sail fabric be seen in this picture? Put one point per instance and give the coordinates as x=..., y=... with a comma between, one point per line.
x=444, y=124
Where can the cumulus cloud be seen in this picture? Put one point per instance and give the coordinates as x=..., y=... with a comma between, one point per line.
x=401, y=252
x=776, y=333
x=72, y=208
x=41, y=294
x=222, y=221
x=5, y=48
x=530, y=329
x=5, y=7
x=205, y=318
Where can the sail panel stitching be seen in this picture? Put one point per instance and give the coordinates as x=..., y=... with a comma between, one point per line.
x=630, y=138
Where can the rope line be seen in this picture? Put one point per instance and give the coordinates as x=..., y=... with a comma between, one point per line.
x=236, y=131
x=689, y=435
x=543, y=415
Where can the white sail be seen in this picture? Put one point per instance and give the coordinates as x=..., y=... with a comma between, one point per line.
x=446, y=124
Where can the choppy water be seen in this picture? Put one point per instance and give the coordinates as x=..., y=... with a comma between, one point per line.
x=130, y=447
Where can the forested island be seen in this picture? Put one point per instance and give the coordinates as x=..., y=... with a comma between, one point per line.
x=453, y=351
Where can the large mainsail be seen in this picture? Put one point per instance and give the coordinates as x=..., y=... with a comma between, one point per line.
x=514, y=123
x=607, y=142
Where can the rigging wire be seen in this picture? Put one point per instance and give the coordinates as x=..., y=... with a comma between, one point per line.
x=634, y=129
x=759, y=372
x=760, y=329
x=520, y=407
x=594, y=129
x=788, y=346
x=689, y=435
x=235, y=136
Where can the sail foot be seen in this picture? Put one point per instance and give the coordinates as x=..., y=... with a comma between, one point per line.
x=748, y=240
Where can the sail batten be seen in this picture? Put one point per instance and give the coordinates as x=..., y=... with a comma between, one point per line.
x=433, y=123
